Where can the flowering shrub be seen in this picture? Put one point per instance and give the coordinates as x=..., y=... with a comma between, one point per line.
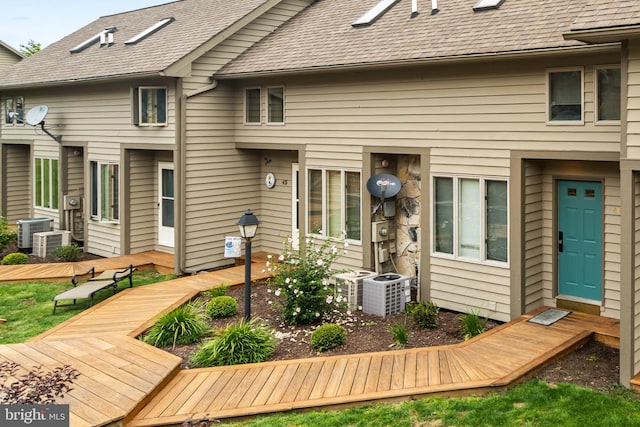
x=301, y=277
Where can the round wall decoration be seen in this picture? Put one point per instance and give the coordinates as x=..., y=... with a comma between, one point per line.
x=270, y=180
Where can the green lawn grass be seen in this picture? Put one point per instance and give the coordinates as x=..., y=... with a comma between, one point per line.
x=27, y=307
x=534, y=403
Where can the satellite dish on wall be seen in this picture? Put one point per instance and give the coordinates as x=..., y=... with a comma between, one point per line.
x=36, y=115
x=384, y=185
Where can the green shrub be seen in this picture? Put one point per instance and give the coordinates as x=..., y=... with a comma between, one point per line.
x=328, y=336
x=471, y=324
x=6, y=236
x=186, y=324
x=15, y=259
x=244, y=342
x=400, y=333
x=424, y=314
x=67, y=253
x=218, y=291
x=222, y=306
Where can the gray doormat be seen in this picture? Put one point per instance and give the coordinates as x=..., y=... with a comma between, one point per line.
x=549, y=317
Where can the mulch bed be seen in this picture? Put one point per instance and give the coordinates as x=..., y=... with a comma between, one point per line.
x=595, y=365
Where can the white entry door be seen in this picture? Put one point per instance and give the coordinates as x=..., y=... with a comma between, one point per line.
x=295, y=204
x=166, y=202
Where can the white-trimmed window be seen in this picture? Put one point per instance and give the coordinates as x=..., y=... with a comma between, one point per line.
x=14, y=111
x=607, y=80
x=105, y=191
x=150, y=106
x=334, y=203
x=275, y=105
x=45, y=183
x=566, y=96
x=470, y=218
x=252, y=102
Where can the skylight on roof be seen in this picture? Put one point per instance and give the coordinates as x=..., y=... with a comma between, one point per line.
x=105, y=36
x=374, y=13
x=152, y=29
x=487, y=4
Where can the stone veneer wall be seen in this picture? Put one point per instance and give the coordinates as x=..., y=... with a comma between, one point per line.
x=408, y=203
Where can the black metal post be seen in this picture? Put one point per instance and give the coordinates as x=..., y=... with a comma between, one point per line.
x=247, y=281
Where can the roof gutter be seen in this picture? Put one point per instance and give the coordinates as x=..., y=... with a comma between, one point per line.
x=100, y=79
x=604, y=35
x=422, y=61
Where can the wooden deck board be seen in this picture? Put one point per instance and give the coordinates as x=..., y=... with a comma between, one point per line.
x=124, y=380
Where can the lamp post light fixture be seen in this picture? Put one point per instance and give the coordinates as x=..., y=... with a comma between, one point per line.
x=248, y=224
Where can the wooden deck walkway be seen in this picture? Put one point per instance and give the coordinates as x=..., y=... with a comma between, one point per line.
x=160, y=261
x=490, y=362
x=126, y=382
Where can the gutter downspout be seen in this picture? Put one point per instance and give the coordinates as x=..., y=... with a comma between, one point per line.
x=181, y=153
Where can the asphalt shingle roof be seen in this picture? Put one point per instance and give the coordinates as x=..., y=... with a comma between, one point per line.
x=322, y=35
x=196, y=22
x=599, y=14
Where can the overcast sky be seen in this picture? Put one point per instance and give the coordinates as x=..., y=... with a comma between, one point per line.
x=47, y=21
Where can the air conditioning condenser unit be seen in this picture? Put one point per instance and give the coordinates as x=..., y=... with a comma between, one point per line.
x=45, y=243
x=28, y=227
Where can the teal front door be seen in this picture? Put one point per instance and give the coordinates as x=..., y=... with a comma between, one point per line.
x=580, y=239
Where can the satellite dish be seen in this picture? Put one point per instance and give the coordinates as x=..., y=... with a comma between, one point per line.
x=384, y=185
x=36, y=115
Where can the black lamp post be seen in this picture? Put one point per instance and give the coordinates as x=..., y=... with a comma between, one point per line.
x=248, y=224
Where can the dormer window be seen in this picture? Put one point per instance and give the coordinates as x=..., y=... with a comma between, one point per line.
x=150, y=106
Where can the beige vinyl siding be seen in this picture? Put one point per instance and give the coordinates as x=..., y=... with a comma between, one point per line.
x=496, y=106
x=231, y=48
x=99, y=117
x=7, y=58
x=343, y=157
x=276, y=206
x=534, y=235
x=636, y=273
x=143, y=200
x=222, y=182
x=633, y=101
x=74, y=185
x=464, y=286
x=98, y=112
x=18, y=197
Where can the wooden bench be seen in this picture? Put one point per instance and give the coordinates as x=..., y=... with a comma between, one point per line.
x=107, y=279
